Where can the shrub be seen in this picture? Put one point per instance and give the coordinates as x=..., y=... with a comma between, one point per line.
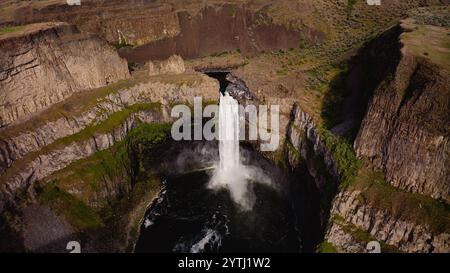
x=344, y=156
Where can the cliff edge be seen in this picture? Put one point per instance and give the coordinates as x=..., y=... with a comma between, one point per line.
x=41, y=64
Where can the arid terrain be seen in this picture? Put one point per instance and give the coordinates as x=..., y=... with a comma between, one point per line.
x=86, y=94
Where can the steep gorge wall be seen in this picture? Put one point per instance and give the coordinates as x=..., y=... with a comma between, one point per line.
x=135, y=23
x=406, y=132
x=349, y=220
x=16, y=150
x=405, y=136
x=217, y=29
x=157, y=30
x=45, y=63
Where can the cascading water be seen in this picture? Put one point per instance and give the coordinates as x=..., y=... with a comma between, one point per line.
x=228, y=135
x=230, y=173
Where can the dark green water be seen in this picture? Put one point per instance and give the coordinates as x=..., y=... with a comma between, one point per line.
x=189, y=217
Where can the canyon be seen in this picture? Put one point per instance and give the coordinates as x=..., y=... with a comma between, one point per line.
x=86, y=93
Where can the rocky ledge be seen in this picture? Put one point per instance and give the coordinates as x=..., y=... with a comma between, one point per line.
x=32, y=154
x=354, y=223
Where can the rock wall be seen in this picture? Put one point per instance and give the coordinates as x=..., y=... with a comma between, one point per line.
x=159, y=29
x=47, y=163
x=173, y=65
x=117, y=21
x=406, y=132
x=405, y=235
x=18, y=150
x=308, y=148
x=405, y=135
x=45, y=63
x=304, y=136
x=221, y=28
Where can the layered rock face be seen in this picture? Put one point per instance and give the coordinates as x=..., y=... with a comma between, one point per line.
x=304, y=136
x=404, y=135
x=45, y=63
x=22, y=147
x=173, y=65
x=353, y=218
x=159, y=29
x=406, y=130
x=117, y=21
x=221, y=28
x=405, y=235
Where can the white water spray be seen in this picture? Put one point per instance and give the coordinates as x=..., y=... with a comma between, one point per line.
x=231, y=173
x=228, y=133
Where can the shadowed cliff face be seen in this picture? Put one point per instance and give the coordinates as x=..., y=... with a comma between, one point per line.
x=220, y=29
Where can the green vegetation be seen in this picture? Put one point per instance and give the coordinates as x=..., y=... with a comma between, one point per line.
x=413, y=207
x=138, y=199
x=293, y=151
x=149, y=134
x=330, y=187
x=113, y=121
x=89, y=176
x=122, y=44
x=71, y=107
x=436, y=16
x=144, y=139
x=344, y=156
x=233, y=11
x=109, y=172
x=284, y=71
x=10, y=29
x=77, y=213
x=327, y=247
x=350, y=6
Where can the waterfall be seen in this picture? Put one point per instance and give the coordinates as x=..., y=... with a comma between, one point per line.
x=228, y=134
x=230, y=173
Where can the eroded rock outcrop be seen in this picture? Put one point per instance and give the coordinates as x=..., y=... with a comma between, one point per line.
x=405, y=136
x=405, y=235
x=173, y=65
x=42, y=64
x=304, y=136
x=23, y=167
x=117, y=21
x=406, y=130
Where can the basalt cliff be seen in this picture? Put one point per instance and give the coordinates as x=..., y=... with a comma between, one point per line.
x=91, y=108
x=403, y=139
x=86, y=94
x=56, y=53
